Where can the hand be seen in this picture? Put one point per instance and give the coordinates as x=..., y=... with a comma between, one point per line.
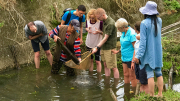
x=81, y=41
x=114, y=51
x=94, y=50
x=89, y=30
x=56, y=37
x=97, y=31
x=132, y=65
x=136, y=60
x=79, y=59
x=30, y=36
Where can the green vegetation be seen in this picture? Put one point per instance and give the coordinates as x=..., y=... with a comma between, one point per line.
x=54, y=23
x=171, y=4
x=171, y=55
x=1, y=24
x=169, y=95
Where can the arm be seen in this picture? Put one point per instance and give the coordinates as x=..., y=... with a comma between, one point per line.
x=81, y=31
x=100, y=27
x=35, y=36
x=88, y=28
x=77, y=49
x=54, y=33
x=101, y=43
x=132, y=62
x=98, y=32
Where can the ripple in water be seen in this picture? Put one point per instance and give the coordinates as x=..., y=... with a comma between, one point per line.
x=83, y=80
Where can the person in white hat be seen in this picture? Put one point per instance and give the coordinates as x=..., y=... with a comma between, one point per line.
x=150, y=48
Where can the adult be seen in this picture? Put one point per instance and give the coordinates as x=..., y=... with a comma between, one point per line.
x=150, y=48
x=108, y=43
x=36, y=32
x=76, y=14
x=93, y=27
x=127, y=41
x=68, y=35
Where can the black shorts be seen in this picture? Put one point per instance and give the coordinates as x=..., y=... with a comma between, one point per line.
x=128, y=64
x=97, y=54
x=141, y=74
x=36, y=47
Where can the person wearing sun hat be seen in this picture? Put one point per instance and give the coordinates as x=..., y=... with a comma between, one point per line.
x=68, y=35
x=150, y=48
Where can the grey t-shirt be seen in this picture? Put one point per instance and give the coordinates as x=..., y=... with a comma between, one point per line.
x=41, y=28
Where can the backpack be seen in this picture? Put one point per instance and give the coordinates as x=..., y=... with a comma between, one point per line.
x=69, y=15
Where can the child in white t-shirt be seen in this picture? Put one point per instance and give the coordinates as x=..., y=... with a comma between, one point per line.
x=140, y=74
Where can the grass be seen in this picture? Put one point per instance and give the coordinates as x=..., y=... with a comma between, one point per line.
x=169, y=95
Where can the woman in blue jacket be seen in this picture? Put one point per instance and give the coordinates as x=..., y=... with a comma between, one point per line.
x=150, y=48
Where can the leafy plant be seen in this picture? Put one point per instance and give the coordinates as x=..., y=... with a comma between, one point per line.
x=167, y=65
x=171, y=4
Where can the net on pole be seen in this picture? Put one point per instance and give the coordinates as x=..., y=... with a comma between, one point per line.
x=84, y=64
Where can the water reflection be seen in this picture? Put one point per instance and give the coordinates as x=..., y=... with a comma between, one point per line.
x=33, y=85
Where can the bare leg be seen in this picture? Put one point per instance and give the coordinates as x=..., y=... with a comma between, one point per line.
x=49, y=57
x=160, y=85
x=126, y=73
x=92, y=65
x=116, y=72
x=151, y=86
x=132, y=77
x=98, y=63
x=37, y=59
x=107, y=70
x=145, y=88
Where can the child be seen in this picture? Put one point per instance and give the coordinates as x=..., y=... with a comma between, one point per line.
x=140, y=74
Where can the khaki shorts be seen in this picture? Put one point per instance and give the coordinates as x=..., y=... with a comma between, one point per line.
x=110, y=58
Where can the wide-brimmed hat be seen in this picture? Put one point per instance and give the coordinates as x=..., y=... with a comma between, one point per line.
x=150, y=8
x=75, y=23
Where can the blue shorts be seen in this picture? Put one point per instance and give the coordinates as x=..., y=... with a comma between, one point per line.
x=36, y=47
x=150, y=71
x=141, y=74
x=97, y=54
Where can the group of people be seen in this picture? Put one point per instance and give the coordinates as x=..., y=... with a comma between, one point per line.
x=141, y=49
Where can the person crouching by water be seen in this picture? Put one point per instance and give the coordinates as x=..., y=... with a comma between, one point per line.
x=127, y=41
x=36, y=32
x=68, y=35
x=150, y=47
x=140, y=73
x=108, y=43
x=94, y=36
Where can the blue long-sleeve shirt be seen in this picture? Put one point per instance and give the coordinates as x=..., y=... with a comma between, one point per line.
x=150, y=48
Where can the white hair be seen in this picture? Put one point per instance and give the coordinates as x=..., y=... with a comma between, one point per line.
x=121, y=23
